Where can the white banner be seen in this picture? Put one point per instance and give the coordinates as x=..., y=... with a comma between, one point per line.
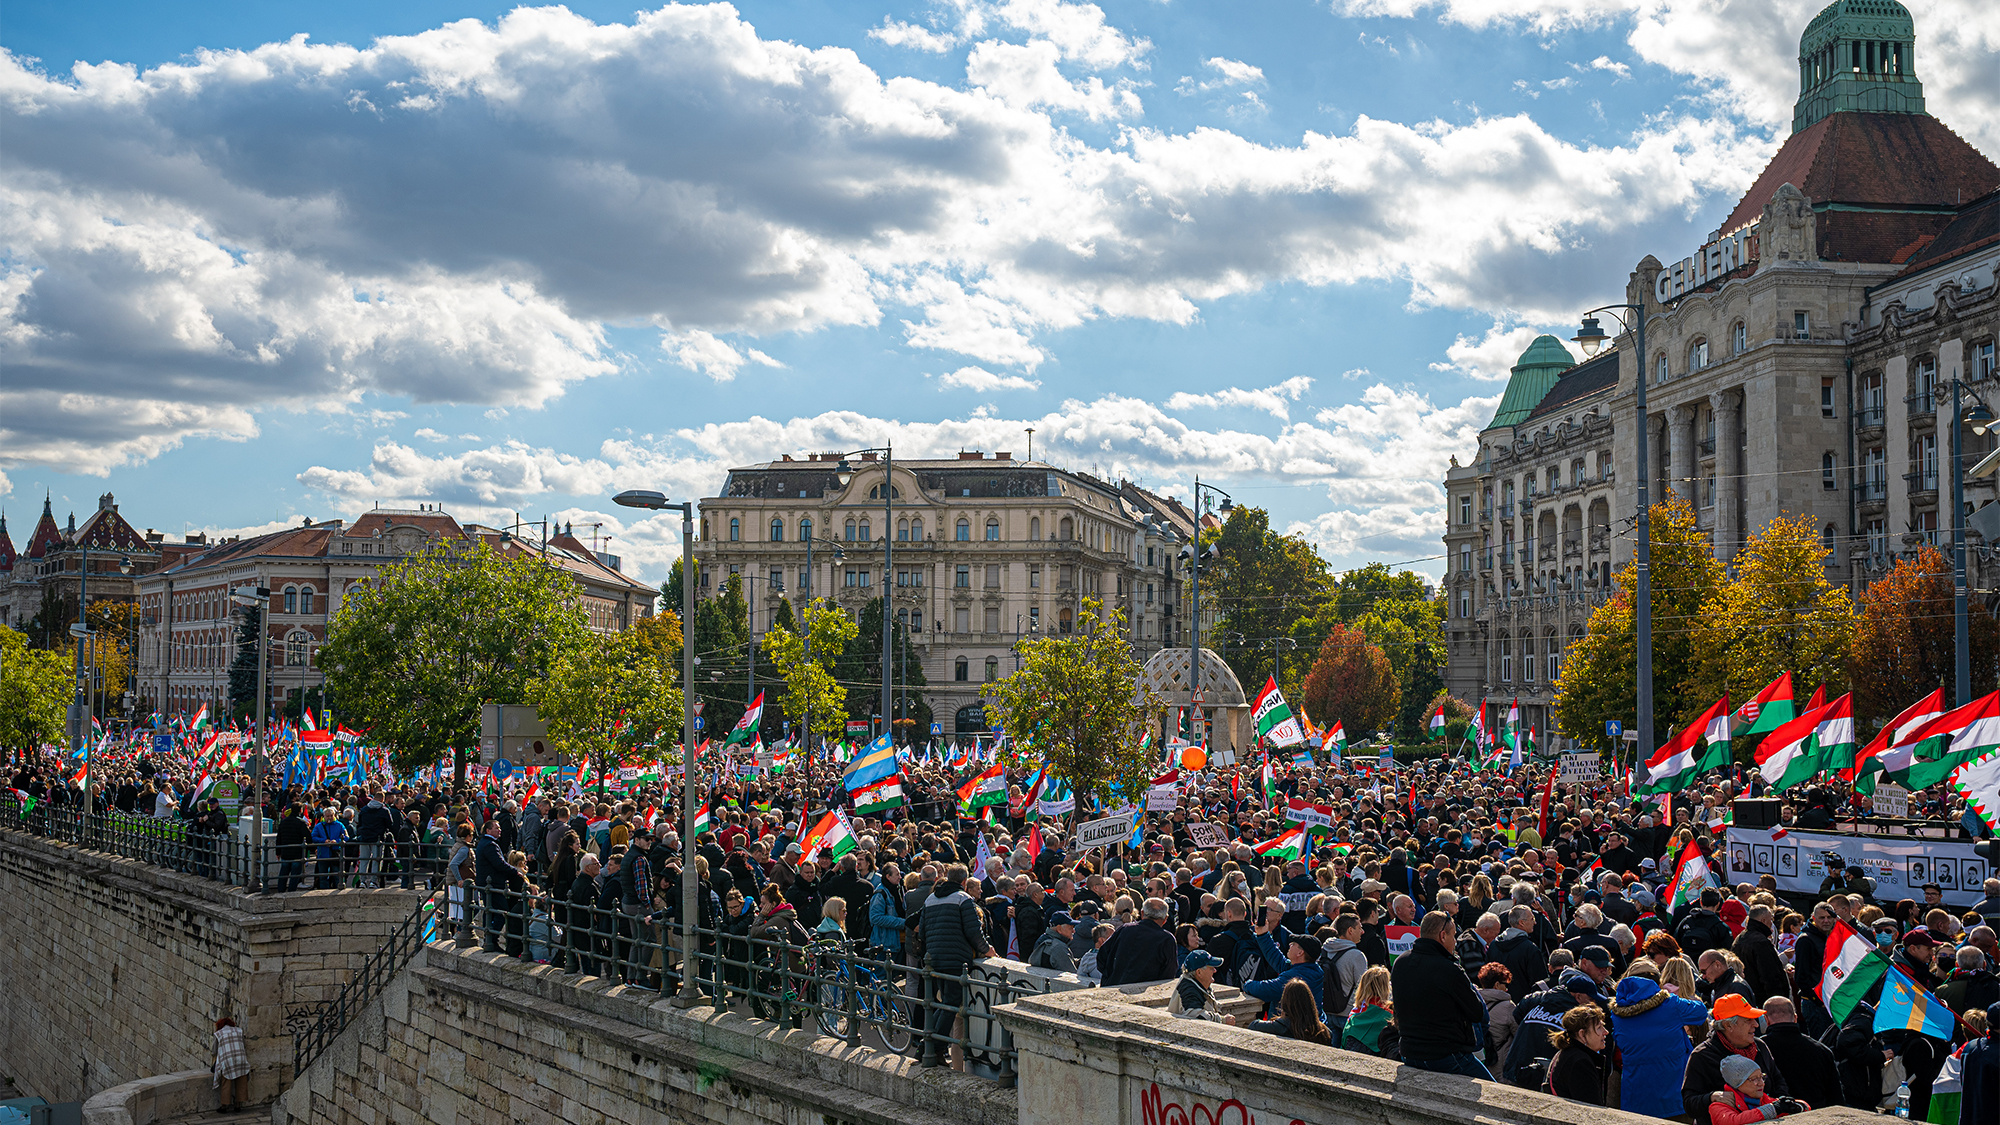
x=1104, y=833
x=1166, y=798
x=1890, y=799
x=1580, y=769
x=1900, y=865
x=1206, y=835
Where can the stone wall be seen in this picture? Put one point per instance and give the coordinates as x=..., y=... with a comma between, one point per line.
x=1100, y=1058
x=117, y=970
x=463, y=1036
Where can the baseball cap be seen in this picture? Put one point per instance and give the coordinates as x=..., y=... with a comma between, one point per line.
x=1200, y=959
x=1574, y=981
x=1919, y=936
x=1308, y=943
x=1732, y=1006
x=1596, y=955
x=1061, y=918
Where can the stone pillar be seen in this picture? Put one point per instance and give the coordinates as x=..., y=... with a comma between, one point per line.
x=1680, y=432
x=1728, y=408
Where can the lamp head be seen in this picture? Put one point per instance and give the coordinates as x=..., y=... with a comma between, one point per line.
x=641, y=498
x=1227, y=505
x=1589, y=336
x=843, y=472
x=1980, y=417
x=125, y=564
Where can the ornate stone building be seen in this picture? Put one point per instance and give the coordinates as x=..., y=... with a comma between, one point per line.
x=987, y=551
x=1796, y=363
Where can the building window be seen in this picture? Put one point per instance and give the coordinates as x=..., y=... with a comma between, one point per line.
x=295, y=649
x=1660, y=370
x=1506, y=660
x=777, y=531
x=850, y=531
x=1465, y=603
x=1739, y=339
x=866, y=535
x=1149, y=593
x=1827, y=538
x=805, y=530
x=1066, y=530
x=1708, y=491
x=961, y=669
x=291, y=599
x=1697, y=356
x=1034, y=578
x=902, y=531
x=961, y=620
x=1035, y=527
x=964, y=531
x=1465, y=557
x=735, y=526
x=1528, y=659
x=1927, y=526
x=1826, y=398
x=1829, y=471
x=917, y=530
x=1465, y=509
x=993, y=576
x=992, y=531
x=1555, y=657
x=964, y=576
x=805, y=582
x=305, y=599
x=992, y=668
x=917, y=620
x=1066, y=621
x=1801, y=325
x=1982, y=361
x=1034, y=619
x=991, y=619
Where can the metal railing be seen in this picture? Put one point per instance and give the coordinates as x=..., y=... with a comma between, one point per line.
x=1923, y=480
x=333, y=1016
x=226, y=857
x=1868, y=417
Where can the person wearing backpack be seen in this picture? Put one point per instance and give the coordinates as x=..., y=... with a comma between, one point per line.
x=1052, y=951
x=1341, y=964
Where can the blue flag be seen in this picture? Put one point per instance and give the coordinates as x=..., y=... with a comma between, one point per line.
x=1905, y=1006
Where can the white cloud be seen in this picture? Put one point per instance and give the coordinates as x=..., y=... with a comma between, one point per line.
x=6, y=485
x=981, y=380
x=500, y=475
x=1603, y=62
x=1273, y=400
x=896, y=33
x=1025, y=76
x=1228, y=73
x=701, y=351
x=1493, y=355
x=428, y=434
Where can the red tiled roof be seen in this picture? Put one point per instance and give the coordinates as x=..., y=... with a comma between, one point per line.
x=106, y=530
x=1977, y=224
x=437, y=525
x=1880, y=159
x=47, y=536
x=292, y=542
x=1873, y=236
x=6, y=548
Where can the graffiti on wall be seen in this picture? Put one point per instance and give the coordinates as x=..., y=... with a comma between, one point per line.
x=1154, y=1109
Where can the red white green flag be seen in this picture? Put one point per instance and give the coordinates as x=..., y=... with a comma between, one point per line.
x=1965, y=734
x=832, y=835
x=1769, y=709
x=1436, y=725
x=1287, y=845
x=988, y=787
x=1891, y=748
x=1702, y=745
x=1276, y=725
x=1851, y=968
x=1692, y=874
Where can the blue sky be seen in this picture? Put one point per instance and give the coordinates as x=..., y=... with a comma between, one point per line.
x=516, y=264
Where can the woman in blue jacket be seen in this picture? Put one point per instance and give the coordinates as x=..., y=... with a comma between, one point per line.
x=885, y=912
x=1653, y=1045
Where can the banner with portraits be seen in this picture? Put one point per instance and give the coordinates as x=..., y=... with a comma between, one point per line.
x=1899, y=865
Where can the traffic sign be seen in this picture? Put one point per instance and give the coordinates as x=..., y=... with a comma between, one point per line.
x=937, y=729
x=162, y=743
x=697, y=717
x=502, y=769
x=1613, y=729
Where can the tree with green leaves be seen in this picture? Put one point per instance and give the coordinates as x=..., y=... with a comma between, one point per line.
x=1352, y=683
x=1457, y=718
x=611, y=698
x=1074, y=703
x=35, y=692
x=243, y=666
x=812, y=693
x=1264, y=584
x=1777, y=614
x=860, y=668
x=1600, y=675
x=721, y=640
x=413, y=656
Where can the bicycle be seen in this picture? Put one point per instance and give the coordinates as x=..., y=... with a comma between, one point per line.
x=878, y=1003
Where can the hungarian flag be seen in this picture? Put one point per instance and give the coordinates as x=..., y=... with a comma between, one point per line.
x=1771, y=709
x=1889, y=743
x=702, y=821
x=200, y=721
x=879, y=796
x=988, y=787
x=1287, y=845
x=1835, y=734
x=1276, y=725
x=832, y=835
x=1979, y=783
x=1298, y=811
x=746, y=727
x=1270, y=783
x=1334, y=744
x=1703, y=745
x=1475, y=731
x=1850, y=969
x=1436, y=728
x=1963, y=734
x=1692, y=874
x=1818, y=699
x=1790, y=754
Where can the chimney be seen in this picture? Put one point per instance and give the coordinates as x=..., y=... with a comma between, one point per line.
x=106, y=504
x=788, y=456
x=867, y=456
x=971, y=455
x=1003, y=456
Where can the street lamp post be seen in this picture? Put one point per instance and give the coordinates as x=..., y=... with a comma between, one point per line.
x=657, y=501
x=1590, y=337
x=1982, y=420
x=259, y=596
x=1202, y=494
x=844, y=472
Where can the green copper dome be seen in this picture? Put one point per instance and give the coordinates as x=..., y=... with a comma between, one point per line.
x=1534, y=373
x=1858, y=56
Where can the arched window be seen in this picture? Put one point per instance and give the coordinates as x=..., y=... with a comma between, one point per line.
x=916, y=531
x=1555, y=655
x=1506, y=659
x=902, y=531
x=1697, y=356
x=735, y=526
x=1739, y=339
x=866, y=537
x=305, y=599
x=1066, y=621
x=1827, y=538
x=1829, y=470
x=1035, y=527
x=992, y=668
x=961, y=669
x=295, y=648
x=850, y=531
x=1660, y=370
x=992, y=530
x=291, y=599
x=1066, y=530
x=777, y=530
x=805, y=530
x=964, y=531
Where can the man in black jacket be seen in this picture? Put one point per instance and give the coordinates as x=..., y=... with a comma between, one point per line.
x=1733, y=1032
x=953, y=939
x=581, y=931
x=1807, y=958
x=1806, y=1063
x=1762, y=970
x=1142, y=951
x=1517, y=949
x=492, y=871
x=293, y=832
x=1703, y=928
x=1436, y=1007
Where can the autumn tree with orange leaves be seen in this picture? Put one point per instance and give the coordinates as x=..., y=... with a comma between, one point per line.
x=1353, y=682
x=1904, y=645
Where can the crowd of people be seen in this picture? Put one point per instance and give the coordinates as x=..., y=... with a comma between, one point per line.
x=1456, y=920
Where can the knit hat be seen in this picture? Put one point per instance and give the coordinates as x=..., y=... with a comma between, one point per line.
x=1736, y=1070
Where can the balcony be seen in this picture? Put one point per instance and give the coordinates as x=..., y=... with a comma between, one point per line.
x=1873, y=488
x=1923, y=407
x=1869, y=418
x=1486, y=561
x=1921, y=481
x=1507, y=510
x=1486, y=514
x=1706, y=447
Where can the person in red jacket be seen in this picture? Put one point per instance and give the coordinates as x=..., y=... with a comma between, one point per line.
x=1742, y=1100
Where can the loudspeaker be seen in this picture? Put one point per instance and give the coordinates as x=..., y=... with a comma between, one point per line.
x=1757, y=812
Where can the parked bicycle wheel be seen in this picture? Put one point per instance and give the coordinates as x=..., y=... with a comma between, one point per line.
x=832, y=999
x=891, y=1019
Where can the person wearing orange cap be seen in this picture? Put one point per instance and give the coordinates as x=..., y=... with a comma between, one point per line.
x=1733, y=1033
